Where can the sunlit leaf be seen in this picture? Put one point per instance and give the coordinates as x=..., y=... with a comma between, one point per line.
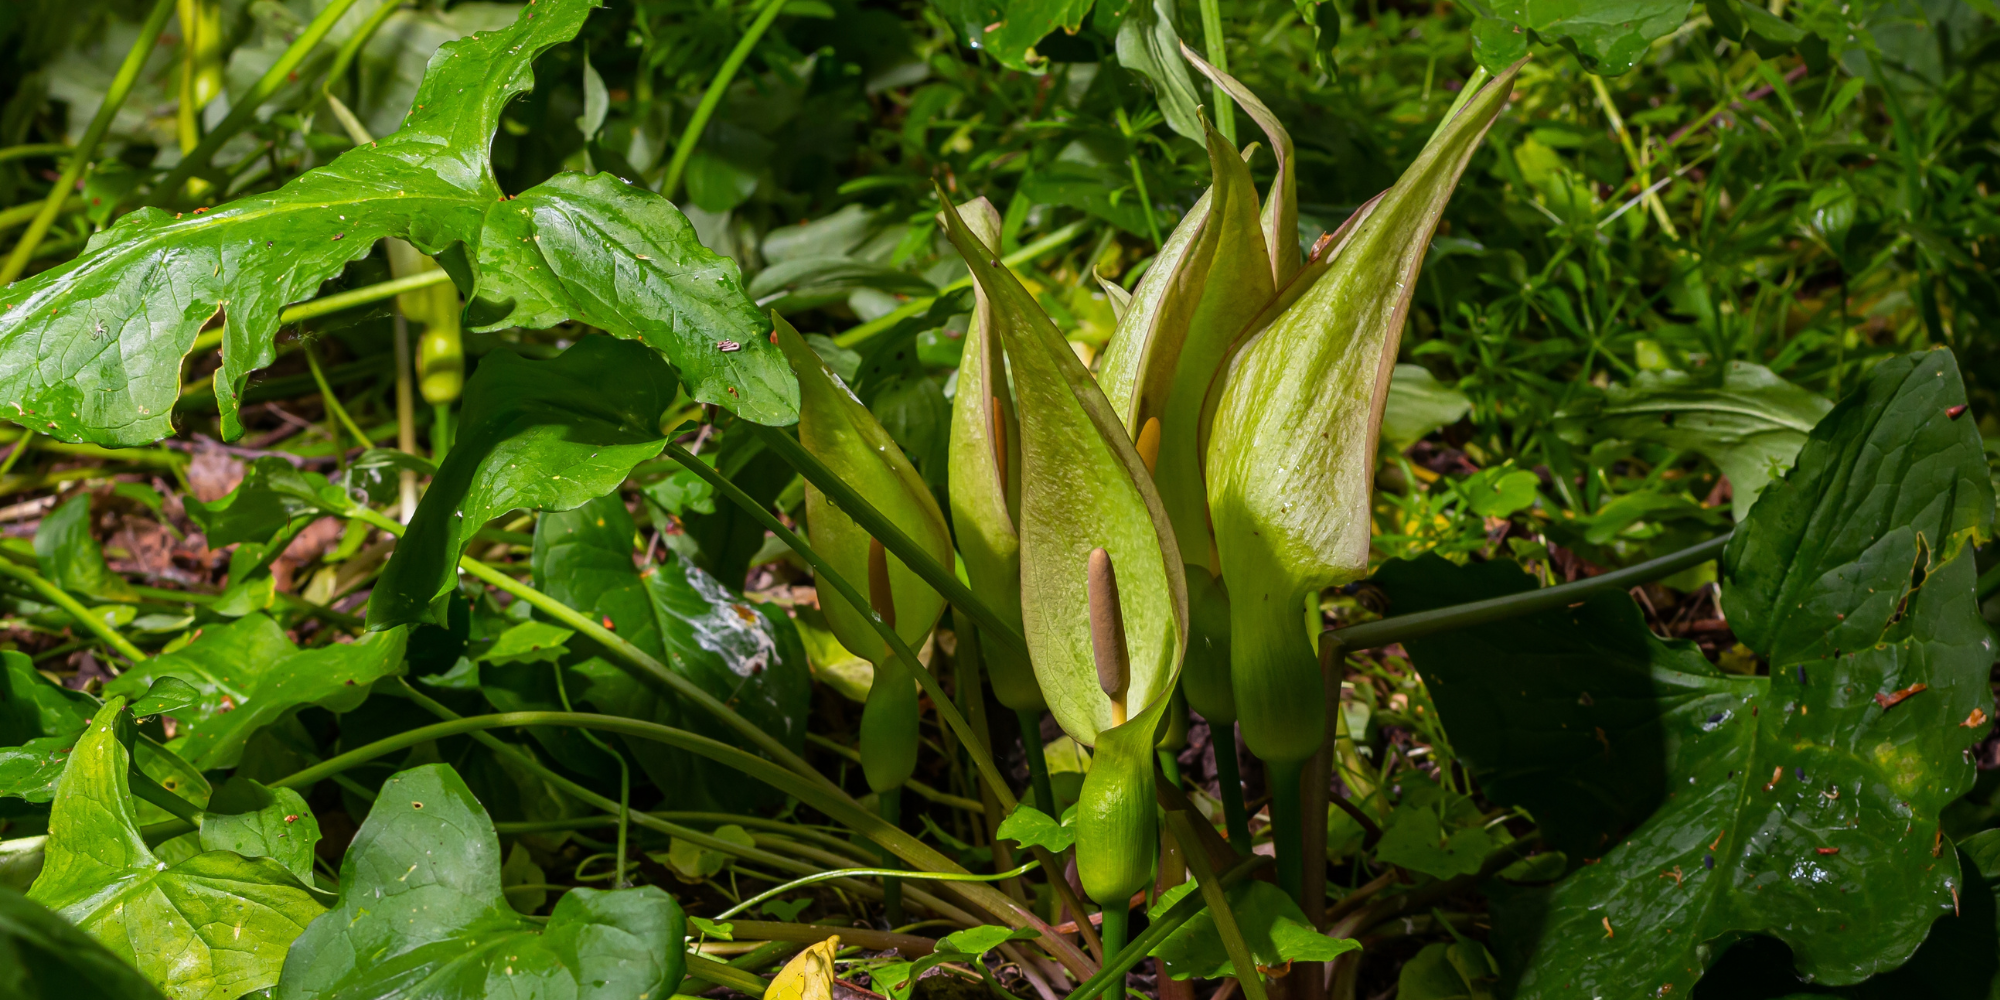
x=44, y=957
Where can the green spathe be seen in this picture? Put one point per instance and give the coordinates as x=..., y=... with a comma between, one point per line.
x=1291, y=448
x=1083, y=487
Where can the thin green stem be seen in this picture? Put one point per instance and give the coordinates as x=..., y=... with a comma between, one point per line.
x=721, y=974
x=1112, y=975
x=886, y=874
x=669, y=188
x=1138, y=176
x=1033, y=251
x=114, y=98
x=32, y=149
x=1287, y=824
x=1402, y=628
x=879, y=526
x=639, y=663
x=344, y=57
x=60, y=598
x=801, y=459
x=20, y=215
x=624, y=778
x=338, y=302
x=1116, y=919
x=1218, y=56
x=891, y=803
x=332, y=401
x=14, y=456
x=1181, y=825
x=244, y=111
x=1229, y=776
x=1038, y=760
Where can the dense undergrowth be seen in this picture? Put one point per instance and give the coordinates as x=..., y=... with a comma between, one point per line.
x=1713, y=269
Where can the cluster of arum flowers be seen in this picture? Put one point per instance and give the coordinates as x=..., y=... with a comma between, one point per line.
x=1166, y=525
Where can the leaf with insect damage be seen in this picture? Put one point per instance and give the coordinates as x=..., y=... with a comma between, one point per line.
x=1785, y=804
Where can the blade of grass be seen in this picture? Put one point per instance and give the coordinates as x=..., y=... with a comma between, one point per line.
x=114, y=98
x=717, y=87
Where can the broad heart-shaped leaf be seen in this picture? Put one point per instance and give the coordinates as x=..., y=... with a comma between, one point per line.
x=249, y=674
x=738, y=652
x=1274, y=927
x=422, y=914
x=273, y=496
x=985, y=486
x=249, y=819
x=1083, y=487
x=541, y=435
x=40, y=722
x=1750, y=426
x=44, y=957
x=71, y=558
x=1176, y=333
x=1290, y=452
x=92, y=349
x=1607, y=36
x=1814, y=791
x=212, y=927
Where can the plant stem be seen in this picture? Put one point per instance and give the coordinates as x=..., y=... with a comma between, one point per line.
x=406, y=413
x=886, y=874
x=871, y=520
x=1213, y=894
x=713, y=97
x=1116, y=918
x=332, y=401
x=1229, y=778
x=1218, y=57
x=242, y=112
x=1402, y=628
x=946, y=709
x=14, y=456
x=1286, y=824
x=60, y=598
x=891, y=803
x=1038, y=761
x=1116, y=966
x=722, y=974
x=114, y=98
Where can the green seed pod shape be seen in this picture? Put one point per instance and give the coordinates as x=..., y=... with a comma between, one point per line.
x=985, y=484
x=889, y=724
x=1117, y=833
x=1292, y=445
x=1083, y=487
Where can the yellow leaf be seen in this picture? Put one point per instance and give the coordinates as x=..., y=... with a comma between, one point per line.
x=808, y=976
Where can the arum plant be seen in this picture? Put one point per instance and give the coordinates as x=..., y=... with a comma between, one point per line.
x=1290, y=455
x=985, y=490
x=837, y=429
x=1103, y=598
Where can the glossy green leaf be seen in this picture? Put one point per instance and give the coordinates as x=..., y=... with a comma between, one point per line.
x=91, y=349
x=1027, y=22
x=1436, y=831
x=538, y=435
x=249, y=675
x=1031, y=827
x=1149, y=45
x=166, y=695
x=1418, y=405
x=1448, y=970
x=1809, y=790
x=740, y=652
x=273, y=496
x=1290, y=456
x=39, y=723
x=1083, y=487
x=258, y=822
x=422, y=914
x=71, y=558
x=212, y=927
x=839, y=431
x=44, y=957
x=1608, y=38
x=1274, y=927
x=985, y=482
x=899, y=979
x=1750, y=426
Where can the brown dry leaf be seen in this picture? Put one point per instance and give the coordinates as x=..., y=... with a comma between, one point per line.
x=212, y=473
